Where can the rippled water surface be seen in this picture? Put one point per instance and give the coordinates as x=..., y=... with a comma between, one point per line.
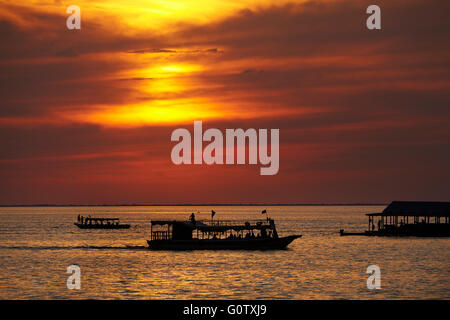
x=38, y=244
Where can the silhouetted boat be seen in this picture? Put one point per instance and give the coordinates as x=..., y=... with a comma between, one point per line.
x=343, y=233
x=429, y=219
x=216, y=235
x=100, y=223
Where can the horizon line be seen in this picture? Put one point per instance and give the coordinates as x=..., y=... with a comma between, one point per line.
x=193, y=204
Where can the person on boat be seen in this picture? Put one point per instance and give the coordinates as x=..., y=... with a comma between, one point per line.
x=192, y=218
x=263, y=233
x=78, y=218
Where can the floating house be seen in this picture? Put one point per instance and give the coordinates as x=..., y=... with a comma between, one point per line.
x=409, y=218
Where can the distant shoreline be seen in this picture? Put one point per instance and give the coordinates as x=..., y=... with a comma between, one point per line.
x=197, y=205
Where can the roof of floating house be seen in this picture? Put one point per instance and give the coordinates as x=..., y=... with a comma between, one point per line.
x=415, y=208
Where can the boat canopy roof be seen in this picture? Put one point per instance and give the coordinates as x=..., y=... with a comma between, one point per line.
x=101, y=219
x=415, y=208
x=163, y=222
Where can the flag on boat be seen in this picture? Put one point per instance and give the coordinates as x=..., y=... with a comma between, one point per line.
x=212, y=213
x=264, y=211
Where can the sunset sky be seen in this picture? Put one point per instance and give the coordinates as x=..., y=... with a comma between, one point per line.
x=86, y=115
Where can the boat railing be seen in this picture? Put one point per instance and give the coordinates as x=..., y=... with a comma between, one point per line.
x=161, y=235
x=228, y=223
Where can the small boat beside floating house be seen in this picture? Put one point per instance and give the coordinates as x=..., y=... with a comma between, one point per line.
x=216, y=235
x=100, y=223
x=409, y=218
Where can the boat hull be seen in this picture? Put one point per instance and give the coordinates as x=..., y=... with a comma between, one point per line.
x=105, y=226
x=343, y=233
x=223, y=244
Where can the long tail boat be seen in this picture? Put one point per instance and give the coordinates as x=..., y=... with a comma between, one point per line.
x=100, y=223
x=409, y=218
x=216, y=235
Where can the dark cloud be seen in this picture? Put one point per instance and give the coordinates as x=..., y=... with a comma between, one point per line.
x=367, y=111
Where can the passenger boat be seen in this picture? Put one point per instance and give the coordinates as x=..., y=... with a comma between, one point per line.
x=409, y=218
x=216, y=235
x=100, y=223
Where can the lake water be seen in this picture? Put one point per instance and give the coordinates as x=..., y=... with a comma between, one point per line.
x=38, y=244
